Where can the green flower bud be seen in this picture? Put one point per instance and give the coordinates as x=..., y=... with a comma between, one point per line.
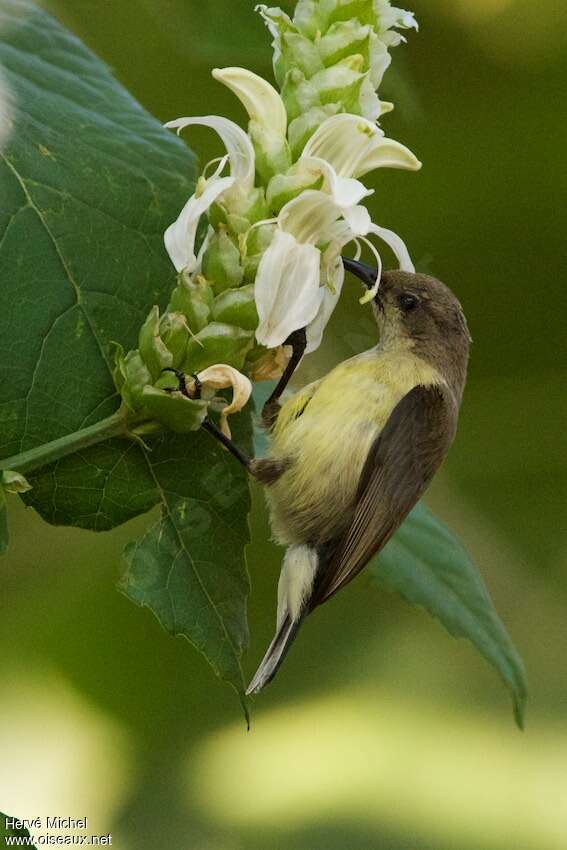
x=217, y=216
x=168, y=381
x=259, y=239
x=217, y=343
x=221, y=262
x=14, y=482
x=174, y=410
x=237, y=224
x=345, y=10
x=299, y=95
x=302, y=128
x=282, y=24
x=134, y=376
x=237, y=307
x=299, y=52
x=284, y=187
x=308, y=18
x=251, y=267
x=152, y=348
x=344, y=39
x=272, y=151
x=175, y=334
x=257, y=210
x=341, y=83
x=250, y=206
x=257, y=242
x=193, y=297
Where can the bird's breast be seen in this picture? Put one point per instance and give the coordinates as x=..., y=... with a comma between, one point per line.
x=325, y=448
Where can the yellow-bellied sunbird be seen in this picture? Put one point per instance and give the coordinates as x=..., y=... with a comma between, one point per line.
x=352, y=453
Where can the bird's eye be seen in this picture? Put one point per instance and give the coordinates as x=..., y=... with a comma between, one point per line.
x=408, y=302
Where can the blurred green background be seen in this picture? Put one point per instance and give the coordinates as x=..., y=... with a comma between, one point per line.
x=381, y=732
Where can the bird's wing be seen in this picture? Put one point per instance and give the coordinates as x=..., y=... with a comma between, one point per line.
x=399, y=467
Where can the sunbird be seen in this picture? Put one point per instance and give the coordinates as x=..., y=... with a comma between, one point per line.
x=352, y=453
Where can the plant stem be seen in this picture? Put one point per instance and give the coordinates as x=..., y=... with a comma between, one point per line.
x=113, y=426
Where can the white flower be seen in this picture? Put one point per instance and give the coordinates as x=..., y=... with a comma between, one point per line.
x=298, y=284
x=180, y=236
x=287, y=288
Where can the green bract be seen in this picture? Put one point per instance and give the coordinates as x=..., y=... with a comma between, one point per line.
x=222, y=265
x=193, y=298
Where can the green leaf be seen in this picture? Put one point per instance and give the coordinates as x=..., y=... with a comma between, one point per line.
x=429, y=567
x=88, y=183
x=4, y=534
x=8, y=829
x=189, y=568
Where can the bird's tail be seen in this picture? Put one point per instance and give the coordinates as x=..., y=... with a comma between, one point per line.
x=294, y=590
x=275, y=655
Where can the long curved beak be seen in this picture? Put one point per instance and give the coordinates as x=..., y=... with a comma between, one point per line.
x=366, y=274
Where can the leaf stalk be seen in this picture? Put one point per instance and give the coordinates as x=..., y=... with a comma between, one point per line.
x=116, y=425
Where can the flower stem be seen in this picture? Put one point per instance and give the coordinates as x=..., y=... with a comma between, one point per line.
x=113, y=426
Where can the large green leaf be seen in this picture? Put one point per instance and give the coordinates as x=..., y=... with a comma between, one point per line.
x=429, y=567
x=188, y=568
x=4, y=535
x=88, y=183
x=8, y=829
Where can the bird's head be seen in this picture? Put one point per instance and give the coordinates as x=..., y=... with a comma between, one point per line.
x=419, y=312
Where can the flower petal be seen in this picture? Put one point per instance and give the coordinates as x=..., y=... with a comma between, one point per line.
x=355, y=146
x=221, y=377
x=204, y=245
x=397, y=245
x=388, y=154
x=236, y=141
x=358, y=219
x=310, y=216
x=343, y=141
x=328, y=300
x=287, y=288
x=180, y=236
x=345, y=191
x=275, y=19
x=370, y=104
x=348, y=192
x=260, y=99
x=389, y=16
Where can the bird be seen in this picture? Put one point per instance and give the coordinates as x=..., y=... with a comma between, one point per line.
x=352, y=453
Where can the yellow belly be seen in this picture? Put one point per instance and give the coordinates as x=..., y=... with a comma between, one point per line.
x=327, y=445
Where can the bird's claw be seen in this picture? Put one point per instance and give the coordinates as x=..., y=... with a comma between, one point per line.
x=270, y=413
x=194, y=393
